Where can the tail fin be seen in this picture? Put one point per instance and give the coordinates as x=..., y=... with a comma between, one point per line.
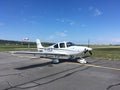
x=39, y=45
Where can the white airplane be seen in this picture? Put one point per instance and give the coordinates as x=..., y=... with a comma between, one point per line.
x=60, y=49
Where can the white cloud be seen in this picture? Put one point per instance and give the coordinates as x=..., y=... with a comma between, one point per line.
x=58, y=35
x=66, y=21
x=61, y=34
x=51, y=37
x=30, y=20
x=95, y=11
x=106, y=41
x=71, y=23
x=90, y=8
x=117, y=40
x=60, y=20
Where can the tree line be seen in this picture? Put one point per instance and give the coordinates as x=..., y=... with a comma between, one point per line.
x=12, y=42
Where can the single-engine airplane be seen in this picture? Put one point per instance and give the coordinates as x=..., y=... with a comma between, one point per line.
x=60, y=49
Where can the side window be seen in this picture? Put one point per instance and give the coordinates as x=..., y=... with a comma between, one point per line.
x=56, y=46
x=68, y=44
x=62, y=45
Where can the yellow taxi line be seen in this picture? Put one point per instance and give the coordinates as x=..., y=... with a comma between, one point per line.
x=97, y=66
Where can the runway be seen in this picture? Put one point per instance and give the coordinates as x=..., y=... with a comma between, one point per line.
x=29, y=72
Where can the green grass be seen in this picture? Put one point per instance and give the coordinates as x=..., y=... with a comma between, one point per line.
x=106, y=52
x=16, y=47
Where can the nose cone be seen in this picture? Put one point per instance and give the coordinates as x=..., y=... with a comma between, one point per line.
x=89, y=49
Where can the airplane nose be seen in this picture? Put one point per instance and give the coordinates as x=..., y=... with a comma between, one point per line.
x=88, y=50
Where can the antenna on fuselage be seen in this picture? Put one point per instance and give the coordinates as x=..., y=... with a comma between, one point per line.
x=88, y=42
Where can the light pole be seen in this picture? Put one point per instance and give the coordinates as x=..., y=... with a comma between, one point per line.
x=88, y=42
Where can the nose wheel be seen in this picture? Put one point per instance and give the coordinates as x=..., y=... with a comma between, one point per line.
x=55, y=61
x=82, y=61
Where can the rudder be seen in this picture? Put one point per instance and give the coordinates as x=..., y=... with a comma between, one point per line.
x=39, y=45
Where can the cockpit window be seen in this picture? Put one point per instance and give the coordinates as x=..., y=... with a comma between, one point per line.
x=70, y=44
x=56, y=46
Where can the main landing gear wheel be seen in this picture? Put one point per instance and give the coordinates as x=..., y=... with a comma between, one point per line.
x=82, y=61
x=55, y=61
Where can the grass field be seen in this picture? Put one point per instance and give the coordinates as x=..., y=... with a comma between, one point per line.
x=99, y=51
x=106, y=52
x=16, y=47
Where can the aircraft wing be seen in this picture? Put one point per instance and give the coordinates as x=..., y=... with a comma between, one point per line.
x=44, y=53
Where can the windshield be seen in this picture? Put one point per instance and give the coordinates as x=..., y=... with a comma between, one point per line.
x=70, y=44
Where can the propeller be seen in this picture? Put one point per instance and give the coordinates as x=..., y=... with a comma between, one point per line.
x=89, y=50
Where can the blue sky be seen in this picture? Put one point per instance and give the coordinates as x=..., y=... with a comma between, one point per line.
x=61, y=20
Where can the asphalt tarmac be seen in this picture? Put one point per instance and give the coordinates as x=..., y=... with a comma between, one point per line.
x=28, y=72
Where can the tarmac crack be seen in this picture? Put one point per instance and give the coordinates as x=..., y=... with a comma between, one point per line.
x=18, y=74
x=111, y=86
x=9, y=84
x=24, y=85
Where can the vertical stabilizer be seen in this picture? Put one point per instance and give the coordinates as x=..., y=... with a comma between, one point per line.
x=39, y=45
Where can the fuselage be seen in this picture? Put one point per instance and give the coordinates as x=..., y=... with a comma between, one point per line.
x=67, y=48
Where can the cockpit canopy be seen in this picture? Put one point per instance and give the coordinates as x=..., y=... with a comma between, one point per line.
x=63, y=45
x=68, y=44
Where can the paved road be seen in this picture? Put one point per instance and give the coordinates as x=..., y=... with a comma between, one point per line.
x=23, y=72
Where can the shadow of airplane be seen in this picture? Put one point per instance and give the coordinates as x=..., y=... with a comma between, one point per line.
x=49, y=64
x=35, y=65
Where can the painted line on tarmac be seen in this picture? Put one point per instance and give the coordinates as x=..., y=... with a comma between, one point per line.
x=97, y=66
x=104, y=67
